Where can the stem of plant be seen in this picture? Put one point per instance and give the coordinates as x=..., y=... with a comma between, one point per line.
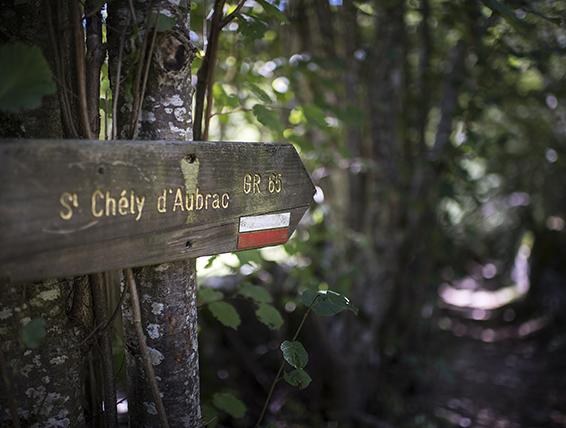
x=144, y=351
x=278, y=376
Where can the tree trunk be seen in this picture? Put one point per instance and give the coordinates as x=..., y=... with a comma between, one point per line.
x=42, y=385
x=167, y=291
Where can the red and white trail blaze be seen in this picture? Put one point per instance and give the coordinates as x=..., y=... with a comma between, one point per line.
x=263, y=230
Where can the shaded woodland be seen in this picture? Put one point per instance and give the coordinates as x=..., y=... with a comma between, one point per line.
x=434, y=132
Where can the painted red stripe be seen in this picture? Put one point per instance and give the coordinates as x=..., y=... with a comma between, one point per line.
x=262, y=238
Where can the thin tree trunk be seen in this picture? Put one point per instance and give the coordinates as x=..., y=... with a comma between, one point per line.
x=44, y=382
x=100, y=308
x=167, y=291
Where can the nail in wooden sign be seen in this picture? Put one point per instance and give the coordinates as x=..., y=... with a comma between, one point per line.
x=70, y=207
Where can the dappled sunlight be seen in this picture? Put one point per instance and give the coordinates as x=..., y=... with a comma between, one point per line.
x=468, y=292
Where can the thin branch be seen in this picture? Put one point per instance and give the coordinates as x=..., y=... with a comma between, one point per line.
x=78, y=41
x=116, y=92
x=224, y=113
x=206, y=70
x=104, y=325
x=144, y=351
x=282, y=365
x=96, y=52
x=68, y=121
x=147, y=64
x=98, y=290
x=106, y=108
x=232, y=15
x=138, y=77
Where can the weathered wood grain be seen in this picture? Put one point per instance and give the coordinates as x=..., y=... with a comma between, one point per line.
x=50, y=227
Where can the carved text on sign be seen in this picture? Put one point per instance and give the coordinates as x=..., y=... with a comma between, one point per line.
x=105, y=203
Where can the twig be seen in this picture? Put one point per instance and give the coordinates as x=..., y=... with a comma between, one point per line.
x=148, y=366
x=8, y=391
x=230, y=17
x=224, y=113
x=106, y=105
x=68, y=121
x=278, y=375
x=78, y=40
x=144, y=84
x=137, y=79
x=96, y=52
x=104, y=325
x=116, y=92
x=206, y=70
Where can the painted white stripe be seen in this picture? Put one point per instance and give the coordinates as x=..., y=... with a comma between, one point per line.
x=266, y=221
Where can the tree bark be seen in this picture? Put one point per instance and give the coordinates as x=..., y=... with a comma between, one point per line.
x=167, y=291
x=44, y=384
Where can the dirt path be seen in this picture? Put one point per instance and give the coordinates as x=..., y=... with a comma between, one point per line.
x=511, y=376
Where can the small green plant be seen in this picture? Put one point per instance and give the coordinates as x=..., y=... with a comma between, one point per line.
x=294, y=354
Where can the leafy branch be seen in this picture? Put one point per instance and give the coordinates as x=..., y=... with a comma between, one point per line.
x=323, y=303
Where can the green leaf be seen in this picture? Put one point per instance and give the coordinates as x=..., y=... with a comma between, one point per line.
x=327, y=302
x=25, y=77
x=315, y=116
x=256, y=293
x=272, y=11
x=250, y=257
x=34, y=332
x=251, y=27
x=209, y=416
x=225, y=313
x=295, y=354
x=208, y=295
x=298, y=378
x=269, y=316
x=260, y=93
x=268, y=118
x=221, y=97
x=210, y=261
x=230, y=404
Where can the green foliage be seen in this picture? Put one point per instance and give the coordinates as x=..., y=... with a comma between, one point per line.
x=225, y=313
x=260, y=93
x=250, y=257
x=327, y=303
x=268, y=118
x=256, y=293
x=34, y=332
x=25, y=77
x=228, y=403
x=295, y=354
x=272, y=11
x=222, y=98
x=208, y=295
x=252, y=28
x=210, y=261
x=269, y=316
x=315, y=115
x=298, y=378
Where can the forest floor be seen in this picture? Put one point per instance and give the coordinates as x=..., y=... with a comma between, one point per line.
x=494, y=370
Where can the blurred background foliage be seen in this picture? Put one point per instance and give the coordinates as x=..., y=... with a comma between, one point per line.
x=434, y=132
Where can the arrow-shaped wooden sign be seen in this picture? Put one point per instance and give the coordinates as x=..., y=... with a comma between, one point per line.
x=74, y=207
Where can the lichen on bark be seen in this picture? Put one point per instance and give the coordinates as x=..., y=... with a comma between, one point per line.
x=167, y=291
x=44, y=381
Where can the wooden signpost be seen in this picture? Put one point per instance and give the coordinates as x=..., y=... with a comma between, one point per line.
x=75, y=207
